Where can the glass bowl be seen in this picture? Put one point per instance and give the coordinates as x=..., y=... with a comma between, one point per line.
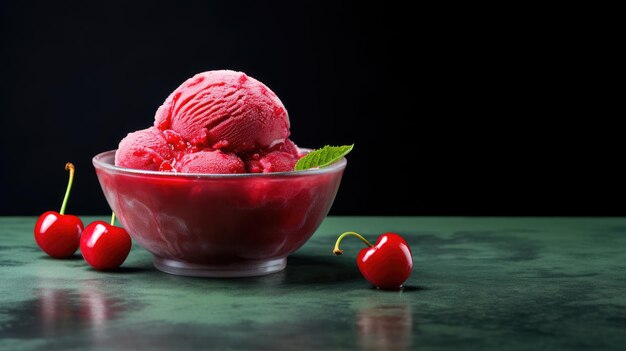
x=219, y=225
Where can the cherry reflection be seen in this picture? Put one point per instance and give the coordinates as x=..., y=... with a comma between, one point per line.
x=385, y=327
x=64, y=311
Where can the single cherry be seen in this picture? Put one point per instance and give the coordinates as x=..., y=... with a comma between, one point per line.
x=387, y=265
x=105, y=246
x=56, y=233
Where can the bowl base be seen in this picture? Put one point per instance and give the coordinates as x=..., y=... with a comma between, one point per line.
x=233, y=270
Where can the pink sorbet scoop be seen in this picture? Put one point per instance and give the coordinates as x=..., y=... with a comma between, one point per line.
x=215, y=122
x=225, y=110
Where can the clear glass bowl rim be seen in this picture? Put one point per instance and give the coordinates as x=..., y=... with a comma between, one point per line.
x=98, y=162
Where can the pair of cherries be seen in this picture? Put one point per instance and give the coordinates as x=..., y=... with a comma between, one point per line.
x=104, y=246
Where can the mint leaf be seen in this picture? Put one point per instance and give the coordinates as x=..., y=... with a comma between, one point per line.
x=322, y=157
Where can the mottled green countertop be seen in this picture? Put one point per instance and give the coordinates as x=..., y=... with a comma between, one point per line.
x=478, y=283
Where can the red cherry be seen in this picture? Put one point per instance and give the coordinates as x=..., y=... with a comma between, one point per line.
x=388, y=264
x=105, y=246
x=56, y=233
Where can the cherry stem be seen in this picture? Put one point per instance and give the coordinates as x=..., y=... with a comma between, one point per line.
x=112, y=218
x=68, y=167
x=338, y=252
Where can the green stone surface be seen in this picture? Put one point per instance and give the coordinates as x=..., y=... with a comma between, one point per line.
x=478, y=283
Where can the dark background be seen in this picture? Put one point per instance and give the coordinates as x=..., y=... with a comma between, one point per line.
x=454, y=110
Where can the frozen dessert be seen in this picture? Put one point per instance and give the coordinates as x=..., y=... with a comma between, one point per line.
x=215, y=122
x=225, y=110
x=144, y=149
x=207, y=161
x=277, y=159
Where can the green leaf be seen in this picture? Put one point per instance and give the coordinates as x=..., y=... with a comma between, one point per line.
x=323, y=157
